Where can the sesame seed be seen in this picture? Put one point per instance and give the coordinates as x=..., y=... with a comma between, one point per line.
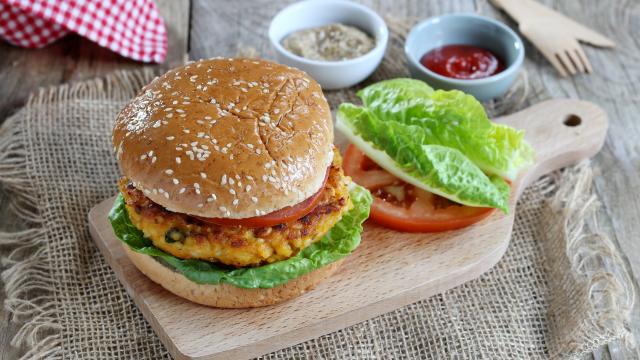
x=157, y=124
x=186, y=131
x=222, y=208
x=178, y=160
x=231, y=181
x=232, y=192
x=254, y=199
x=248, y=188
x=166, y=194
x=180, y=111
x=196, y=185
x=236, y=201
x=170, y=138
x=143, y=156
x=153, y=159
x=176, y=181
x=182, y=190
x=250, y=146
x=200, y=205
x=203, y=175
x=168, y=109
x=224, y=180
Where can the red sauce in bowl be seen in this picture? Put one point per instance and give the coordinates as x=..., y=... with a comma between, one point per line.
x=462, y=62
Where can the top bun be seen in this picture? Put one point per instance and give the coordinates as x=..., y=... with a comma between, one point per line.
x=227, y=138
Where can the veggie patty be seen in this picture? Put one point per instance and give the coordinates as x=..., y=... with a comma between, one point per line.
x=189, y=238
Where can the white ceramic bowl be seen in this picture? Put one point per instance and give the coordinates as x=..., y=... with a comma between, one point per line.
x=313, y=13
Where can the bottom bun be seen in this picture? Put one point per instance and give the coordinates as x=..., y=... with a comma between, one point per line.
x=226, y=295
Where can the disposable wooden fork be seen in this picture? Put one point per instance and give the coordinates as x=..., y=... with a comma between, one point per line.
x=555, y=35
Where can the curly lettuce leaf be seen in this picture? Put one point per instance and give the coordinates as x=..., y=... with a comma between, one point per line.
x=400, y=149
x=339, y=242
x=452, y=119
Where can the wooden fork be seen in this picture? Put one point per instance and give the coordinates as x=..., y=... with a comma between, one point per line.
x=555, y=35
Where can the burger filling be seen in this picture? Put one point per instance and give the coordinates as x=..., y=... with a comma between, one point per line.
x=187, y=237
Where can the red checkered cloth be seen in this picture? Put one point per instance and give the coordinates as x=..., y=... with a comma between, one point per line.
x=132, y=28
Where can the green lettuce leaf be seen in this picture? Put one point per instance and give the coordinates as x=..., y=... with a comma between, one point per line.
x=452, y=119
x=400, y=149
x=339, y=242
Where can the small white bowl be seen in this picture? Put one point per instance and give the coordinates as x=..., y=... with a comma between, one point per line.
x=313, y=13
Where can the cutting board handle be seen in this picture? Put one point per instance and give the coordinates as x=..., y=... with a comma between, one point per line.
x=562, y=132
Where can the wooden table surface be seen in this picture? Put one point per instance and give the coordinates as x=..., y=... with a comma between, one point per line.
x=205, y=28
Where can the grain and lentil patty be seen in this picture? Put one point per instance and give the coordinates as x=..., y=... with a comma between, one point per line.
x=187, y=237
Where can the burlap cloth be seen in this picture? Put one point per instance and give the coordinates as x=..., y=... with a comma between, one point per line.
x=559, y=292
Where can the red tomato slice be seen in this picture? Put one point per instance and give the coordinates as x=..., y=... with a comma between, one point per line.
x=281, y=216
x=404, y=207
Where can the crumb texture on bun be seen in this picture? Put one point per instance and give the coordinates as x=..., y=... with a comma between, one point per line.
x=225, y=295
x=230, y=138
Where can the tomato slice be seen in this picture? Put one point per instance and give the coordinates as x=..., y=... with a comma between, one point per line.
x=404, y=207
x=281, y=216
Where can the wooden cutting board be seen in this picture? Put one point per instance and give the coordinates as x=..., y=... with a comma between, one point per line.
x=388, y=270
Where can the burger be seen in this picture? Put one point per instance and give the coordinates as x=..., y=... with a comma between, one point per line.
x=232, y=192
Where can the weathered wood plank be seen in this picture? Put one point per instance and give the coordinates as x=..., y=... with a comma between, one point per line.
x=219, y=28
x=7, y=328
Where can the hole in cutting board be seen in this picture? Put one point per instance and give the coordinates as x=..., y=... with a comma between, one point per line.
x=572, y=120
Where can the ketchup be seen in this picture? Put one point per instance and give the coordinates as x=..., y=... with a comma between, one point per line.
x=462, y=62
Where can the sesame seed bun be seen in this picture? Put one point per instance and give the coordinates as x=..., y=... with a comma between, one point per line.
x=225, y=295
x=226, y=138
